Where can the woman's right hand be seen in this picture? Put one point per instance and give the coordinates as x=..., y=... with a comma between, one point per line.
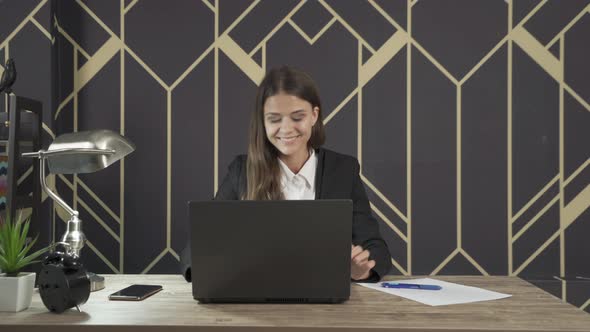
x=360, y=265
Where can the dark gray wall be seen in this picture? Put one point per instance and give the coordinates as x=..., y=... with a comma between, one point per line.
x=471, y=119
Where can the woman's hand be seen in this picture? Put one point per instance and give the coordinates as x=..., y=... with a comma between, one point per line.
x=360, y=265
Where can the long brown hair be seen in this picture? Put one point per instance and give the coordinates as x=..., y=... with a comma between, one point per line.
x=262, y=167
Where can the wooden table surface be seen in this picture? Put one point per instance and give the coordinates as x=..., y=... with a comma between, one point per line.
x=174, y=309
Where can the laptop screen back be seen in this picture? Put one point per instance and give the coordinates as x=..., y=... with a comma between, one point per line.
x=271, y=251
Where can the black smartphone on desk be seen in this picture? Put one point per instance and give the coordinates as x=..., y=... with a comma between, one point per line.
x=135, y=292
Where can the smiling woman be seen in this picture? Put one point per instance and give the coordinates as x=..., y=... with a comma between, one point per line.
x=286, y=161
x=284, y=128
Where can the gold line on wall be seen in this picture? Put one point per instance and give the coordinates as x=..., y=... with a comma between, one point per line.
x=347, y=26
x=192, y=66
x=216, y=95
x=76, y=88
x=576, y=96
x=174, y=253
x=41, y=28
x=236, y=21
x=62, y=105
x=99, y=220
x=168, y=169
x=459, y=207
x=122, y=132
x=389, y=49
x=65, y=180
x=529, y=15
x=509, y=144
x=101, y=256
x=577, y=171
x=386, y=16
x=240, y=58
x=535, y=218
x=576, y=207
x=96, y=18
x=535, y=198
x=537, y=252
x=24, y=175
x=323, y=30
x=399, y=267
x=264, y=57
x=106, y=52
x=305, y=36
x=149, y=70
x=537, y=52
x=565, y=29
x=409, y=138
x=437, y=64
x=359, y=103
x=561, y=163
x=16, y=30
x=509, y=199
x=483, y=60
x=384, y=199
x=154, y=262
x=388, y=222
x=129, y=6
x=98, y=200
x=341, y=105
x=48, y=130
x=72, y=41
x=277, y=28
x=209, y=5
x=300, y=31
x=473, y=262
x=445, y=262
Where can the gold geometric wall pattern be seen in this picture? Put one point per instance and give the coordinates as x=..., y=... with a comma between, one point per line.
x=470, y=120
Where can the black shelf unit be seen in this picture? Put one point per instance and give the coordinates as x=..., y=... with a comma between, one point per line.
x=20, y=131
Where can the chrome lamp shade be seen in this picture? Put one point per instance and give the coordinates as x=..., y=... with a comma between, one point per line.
x=86, y=151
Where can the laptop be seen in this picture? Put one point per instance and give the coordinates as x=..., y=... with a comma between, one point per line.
x=290, y=251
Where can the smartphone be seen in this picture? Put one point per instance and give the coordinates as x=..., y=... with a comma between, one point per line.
x=135, y=292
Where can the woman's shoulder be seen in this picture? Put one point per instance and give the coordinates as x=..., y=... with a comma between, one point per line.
x=237, y=166
x=238, y=162
x=241, y=158
x=334, y=158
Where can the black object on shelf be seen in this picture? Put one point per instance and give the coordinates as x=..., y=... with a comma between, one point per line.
x=20, y=131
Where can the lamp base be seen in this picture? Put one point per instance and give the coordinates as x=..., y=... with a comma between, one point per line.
x=96, y=282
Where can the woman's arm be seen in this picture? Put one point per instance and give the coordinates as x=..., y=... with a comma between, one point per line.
x=365, y=230
x=228, y=190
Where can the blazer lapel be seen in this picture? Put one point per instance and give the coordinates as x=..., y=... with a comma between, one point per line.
x=319, y=172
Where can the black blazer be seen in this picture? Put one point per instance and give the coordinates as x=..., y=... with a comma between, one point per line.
x=337, y=177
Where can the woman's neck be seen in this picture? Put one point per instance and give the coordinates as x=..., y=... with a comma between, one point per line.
x=295, y=162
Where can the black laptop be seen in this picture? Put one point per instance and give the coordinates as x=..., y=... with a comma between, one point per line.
x=291, y=251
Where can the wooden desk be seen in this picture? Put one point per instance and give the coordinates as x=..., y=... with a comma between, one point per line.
x=173, y=309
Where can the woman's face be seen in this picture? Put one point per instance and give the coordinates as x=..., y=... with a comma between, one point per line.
x=288, y=121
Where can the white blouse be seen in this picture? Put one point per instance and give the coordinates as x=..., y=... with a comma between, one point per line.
x=300, y=185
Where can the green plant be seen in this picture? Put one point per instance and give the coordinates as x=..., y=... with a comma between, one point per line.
x=14, y=247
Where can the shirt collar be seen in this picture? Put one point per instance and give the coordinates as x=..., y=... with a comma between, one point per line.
x=307, y=171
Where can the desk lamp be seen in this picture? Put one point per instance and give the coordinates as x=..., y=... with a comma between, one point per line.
x=75, y=153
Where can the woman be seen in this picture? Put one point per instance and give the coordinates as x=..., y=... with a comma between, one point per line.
x=285, y=161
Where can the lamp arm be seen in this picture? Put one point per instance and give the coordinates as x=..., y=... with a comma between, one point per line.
x=59, y=152
x=53, y=195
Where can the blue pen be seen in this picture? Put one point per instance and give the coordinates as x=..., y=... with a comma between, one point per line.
x=409, y=286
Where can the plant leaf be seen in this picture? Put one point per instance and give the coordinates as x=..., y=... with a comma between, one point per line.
x=26, y=249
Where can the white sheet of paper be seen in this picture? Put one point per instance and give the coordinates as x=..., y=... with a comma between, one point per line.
x=450, y=293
